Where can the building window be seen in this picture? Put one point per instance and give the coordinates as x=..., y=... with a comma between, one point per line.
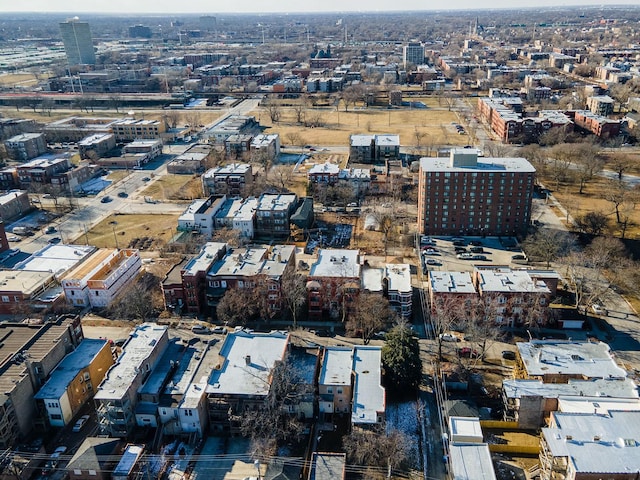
x=5, y=298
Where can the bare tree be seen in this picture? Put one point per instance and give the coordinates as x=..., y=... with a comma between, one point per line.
x=621, y=195
x=295, y=139
x=272, y=424
x=371, y=313
x=280, y=177
x=376, y=448
x=294, y=293
x=447, y=314
x=171, y=118
x=386, y=221
x=619, y=163
x=548, y=245
x=587, y=163
x=273, y=108
x=592, y=223
x=585, y=270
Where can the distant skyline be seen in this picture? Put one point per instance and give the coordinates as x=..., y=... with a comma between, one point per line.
x=126, y=7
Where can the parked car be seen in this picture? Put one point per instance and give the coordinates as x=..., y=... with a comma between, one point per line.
x=123, y=194
x=519, y=259
x=54, y=240
x=459, y=243
x=146, y=179
x=467, y=352
x=50, y=229
x=460, y=250
x=52, y=463
x=426, y=240
x=476, y=250
x=465, y=256
x=448, y=337
x=479, y=257
x=14, y=238
x=219, y=330
x=431, y=261
x=105, y=199
x=508, y=355
x=475, y=243
x=200, y=329
x=80, y=423
x=430, y=251
x=599, y=309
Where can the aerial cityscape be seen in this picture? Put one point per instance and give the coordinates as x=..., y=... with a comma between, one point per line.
x=367, y=241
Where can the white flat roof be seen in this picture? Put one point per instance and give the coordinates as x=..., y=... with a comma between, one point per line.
x=56, y=259
x=372, y=279
x=451, y=282
x=471, y=461
x=368, y=394
x=69, y=368
x=142, y=342
x=598, y=387
x=336, y=263
x=322, y=168
x=509, y=281
x=589, y=359
x=246, y=362
x=336, y=366
x=598, y=405
x=468, y=427
x=596, y=443
x=484, y=164
x=205, y=258
x=399, y=277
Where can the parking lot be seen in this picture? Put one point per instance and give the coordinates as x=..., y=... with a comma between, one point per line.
x=442, y=254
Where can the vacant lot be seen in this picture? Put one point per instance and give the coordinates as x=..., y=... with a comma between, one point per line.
x=18, y=79
x=432, y=124
x=157, y=230
x=175, y=187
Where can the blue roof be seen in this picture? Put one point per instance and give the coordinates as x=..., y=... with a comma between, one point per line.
x=69, y=368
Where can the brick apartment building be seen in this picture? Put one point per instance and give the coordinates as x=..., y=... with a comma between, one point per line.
x=466, y=195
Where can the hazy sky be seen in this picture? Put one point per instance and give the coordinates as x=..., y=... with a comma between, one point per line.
x=243, y=6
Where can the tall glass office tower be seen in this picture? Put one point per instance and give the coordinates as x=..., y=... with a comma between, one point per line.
x=78, y=44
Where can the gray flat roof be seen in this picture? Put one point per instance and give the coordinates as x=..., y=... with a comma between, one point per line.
x=205, y=258
x=600, y=387
x=368, y=394
x=596, y=443
x=484, y=164
x=69, y=368
x=589, y=359
x=451, y=282
x=597, y=405
x=336, y=366
x=510, y=281
x=142, y=342
x=471, y=461
x=327, y=466
x=246, y=360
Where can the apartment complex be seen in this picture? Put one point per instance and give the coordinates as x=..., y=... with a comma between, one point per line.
x=231, y=179
x=466, y=195
x=101, y=278
x=74, y=381
x=373, y=148
x=333, y=282
x=30, y=354
x=273, y=213
x=117, y=395
x=78, y=43
x=413, y=53
x=25, y=146
x=129, y=129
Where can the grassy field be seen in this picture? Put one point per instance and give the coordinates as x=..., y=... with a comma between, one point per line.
x=433, y=123
x=18, y=79
x=175, y=187
x=591, y=200
x=129, y=227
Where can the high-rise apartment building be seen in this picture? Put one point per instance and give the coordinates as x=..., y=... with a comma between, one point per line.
x=413, y=53
x=466, y=195
x=78, y=44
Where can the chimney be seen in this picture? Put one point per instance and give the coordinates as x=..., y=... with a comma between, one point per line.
x=247, y=360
